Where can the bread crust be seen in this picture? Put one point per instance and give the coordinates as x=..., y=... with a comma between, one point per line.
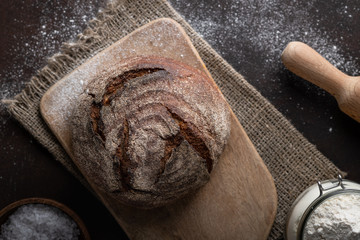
x=149, y=130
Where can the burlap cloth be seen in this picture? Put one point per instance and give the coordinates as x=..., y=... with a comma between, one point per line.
x=292, y=160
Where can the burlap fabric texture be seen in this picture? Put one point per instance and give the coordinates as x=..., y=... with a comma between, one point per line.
x=293, y=162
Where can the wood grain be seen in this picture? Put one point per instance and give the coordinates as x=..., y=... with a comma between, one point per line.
x=310, y=65
x=240, y=200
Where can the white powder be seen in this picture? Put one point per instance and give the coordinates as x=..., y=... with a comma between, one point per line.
x=47, y=35
x=236, y=28
x=265, y=27
x=251, y=35
x=39, y=221
x=337, y=218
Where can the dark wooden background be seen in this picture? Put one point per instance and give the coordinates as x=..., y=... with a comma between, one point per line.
x=32, y=30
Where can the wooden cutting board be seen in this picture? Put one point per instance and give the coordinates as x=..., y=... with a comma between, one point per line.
x=239, y=201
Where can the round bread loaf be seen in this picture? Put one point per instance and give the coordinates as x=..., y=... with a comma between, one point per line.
x=149, y=130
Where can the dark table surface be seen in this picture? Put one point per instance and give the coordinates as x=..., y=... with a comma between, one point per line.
x=250, y=35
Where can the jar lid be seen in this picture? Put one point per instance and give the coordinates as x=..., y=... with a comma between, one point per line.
x=312, y=197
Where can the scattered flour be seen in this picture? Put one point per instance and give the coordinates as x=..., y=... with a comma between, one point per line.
x=48, y=35
x=267, y=26
x=253, y=33
x=39, y=221
x=337, y=218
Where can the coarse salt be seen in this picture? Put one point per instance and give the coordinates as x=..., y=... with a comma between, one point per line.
x=39, y=221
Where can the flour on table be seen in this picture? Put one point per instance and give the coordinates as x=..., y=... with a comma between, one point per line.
x=251, y=35
x=260, y=25
x=44, y=42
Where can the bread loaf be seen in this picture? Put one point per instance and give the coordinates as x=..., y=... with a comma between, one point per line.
x=149, y=130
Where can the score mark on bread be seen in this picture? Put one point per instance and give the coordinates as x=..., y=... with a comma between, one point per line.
x=149, y=130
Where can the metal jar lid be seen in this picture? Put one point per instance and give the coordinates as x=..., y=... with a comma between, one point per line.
x=312, y=197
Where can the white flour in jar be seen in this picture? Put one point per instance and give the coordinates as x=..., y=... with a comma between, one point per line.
x=337, y=218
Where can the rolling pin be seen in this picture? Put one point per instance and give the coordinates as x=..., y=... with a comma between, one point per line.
x=310, y=65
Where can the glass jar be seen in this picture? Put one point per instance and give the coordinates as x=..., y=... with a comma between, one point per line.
x=310, y=199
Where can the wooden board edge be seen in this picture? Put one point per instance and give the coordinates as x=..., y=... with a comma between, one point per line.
x=43, y=99
x=265, y=168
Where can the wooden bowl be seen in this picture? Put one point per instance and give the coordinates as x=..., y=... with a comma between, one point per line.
x=11, y=208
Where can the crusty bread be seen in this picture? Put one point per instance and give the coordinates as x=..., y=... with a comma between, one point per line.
x=149, y=130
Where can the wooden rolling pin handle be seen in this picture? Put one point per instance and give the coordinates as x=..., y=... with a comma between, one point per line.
x=310, y=65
